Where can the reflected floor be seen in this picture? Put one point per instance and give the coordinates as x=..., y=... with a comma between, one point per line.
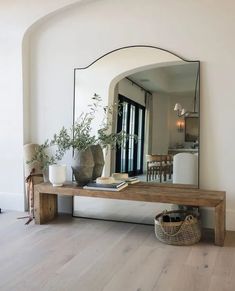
x=120, y=210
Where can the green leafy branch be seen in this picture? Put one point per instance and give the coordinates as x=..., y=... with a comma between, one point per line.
x=79, y=136
x=42, y=157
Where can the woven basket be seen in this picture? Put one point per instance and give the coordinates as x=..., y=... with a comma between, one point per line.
x=185, y=232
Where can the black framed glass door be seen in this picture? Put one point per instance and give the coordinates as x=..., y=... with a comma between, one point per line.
x=129, y=158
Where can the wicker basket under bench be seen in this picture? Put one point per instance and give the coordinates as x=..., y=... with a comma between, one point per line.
x=178, y=227
x=46, y=199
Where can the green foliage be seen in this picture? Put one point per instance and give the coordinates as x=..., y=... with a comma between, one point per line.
x=106, y=138
x=112, y=140
x=82, y=137
x=79, y=137
x=62, y=141
x=42, y=157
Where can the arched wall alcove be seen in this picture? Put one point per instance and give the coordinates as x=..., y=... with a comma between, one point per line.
x=75, y=37
x=29, y=102
x=41, y=20
x=16, y=19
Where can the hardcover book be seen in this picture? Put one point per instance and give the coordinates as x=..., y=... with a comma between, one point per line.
x=108, y=187
x=130, y=180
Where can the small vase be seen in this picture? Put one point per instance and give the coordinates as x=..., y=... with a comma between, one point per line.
x=82, y=166
x=98, y=157
x=57, y=175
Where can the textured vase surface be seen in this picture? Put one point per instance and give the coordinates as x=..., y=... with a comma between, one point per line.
x=82, y=166
x=98, y=157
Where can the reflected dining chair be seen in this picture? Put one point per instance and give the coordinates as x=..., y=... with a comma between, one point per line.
x=154, y=167
x=167, y=163
x=158, y=166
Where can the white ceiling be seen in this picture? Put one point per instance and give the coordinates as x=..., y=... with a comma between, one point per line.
x=171, y=79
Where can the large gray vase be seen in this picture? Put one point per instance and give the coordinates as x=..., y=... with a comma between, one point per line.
x=98, y=157
x=82, y=166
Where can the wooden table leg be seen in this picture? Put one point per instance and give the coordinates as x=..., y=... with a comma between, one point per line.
x=220, y=221
x=45, y=207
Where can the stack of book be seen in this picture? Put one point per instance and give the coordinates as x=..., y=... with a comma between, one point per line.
x=117, y=186
x=124, y=177
x=131, y=180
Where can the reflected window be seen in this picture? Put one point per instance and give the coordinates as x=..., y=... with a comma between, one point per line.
x=129, y=158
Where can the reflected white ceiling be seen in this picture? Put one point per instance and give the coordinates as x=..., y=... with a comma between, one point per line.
x=173, y=79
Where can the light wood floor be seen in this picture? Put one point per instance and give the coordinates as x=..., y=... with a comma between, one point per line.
x=90, y=255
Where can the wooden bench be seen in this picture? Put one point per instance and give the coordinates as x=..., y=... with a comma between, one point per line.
x=46, y=199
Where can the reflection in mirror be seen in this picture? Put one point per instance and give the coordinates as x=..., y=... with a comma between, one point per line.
x=159, y=93
x=149, y=99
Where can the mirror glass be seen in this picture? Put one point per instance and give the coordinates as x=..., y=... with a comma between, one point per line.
x=159, y=94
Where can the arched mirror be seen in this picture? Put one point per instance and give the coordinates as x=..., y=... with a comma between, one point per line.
x=159, y=96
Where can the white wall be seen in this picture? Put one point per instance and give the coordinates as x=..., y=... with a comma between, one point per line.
x=193, y=29
x=160, y=124
x=164, y=132
x=175, y=136
x=15, y=18
x=131, y=91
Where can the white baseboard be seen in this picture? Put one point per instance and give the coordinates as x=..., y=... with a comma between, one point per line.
x=15, y=201
x=12, y=201
x=207, y=215
x=230, y=219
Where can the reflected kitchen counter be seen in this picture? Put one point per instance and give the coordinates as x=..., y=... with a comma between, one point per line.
x=182, y=150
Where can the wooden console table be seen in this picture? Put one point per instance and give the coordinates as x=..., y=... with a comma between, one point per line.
x=46, y=199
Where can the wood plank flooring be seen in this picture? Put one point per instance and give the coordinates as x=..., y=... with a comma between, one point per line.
x=91, y=255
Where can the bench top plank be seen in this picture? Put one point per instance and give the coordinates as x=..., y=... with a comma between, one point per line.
x=143, y=191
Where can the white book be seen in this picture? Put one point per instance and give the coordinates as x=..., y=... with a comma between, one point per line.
x=130, y=180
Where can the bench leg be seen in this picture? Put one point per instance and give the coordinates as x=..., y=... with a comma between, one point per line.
x=45, y=207
x=220, y=221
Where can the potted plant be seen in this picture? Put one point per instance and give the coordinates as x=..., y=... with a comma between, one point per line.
x=42, y=158
x=88, y=159
x=50, y=152
x=80, y=139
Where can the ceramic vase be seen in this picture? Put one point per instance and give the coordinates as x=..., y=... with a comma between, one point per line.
x=82, y=166
x=98, y=157
x=57, y=175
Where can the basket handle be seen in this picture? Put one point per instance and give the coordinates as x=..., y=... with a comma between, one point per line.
x=174, y=211
x=187, y=218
